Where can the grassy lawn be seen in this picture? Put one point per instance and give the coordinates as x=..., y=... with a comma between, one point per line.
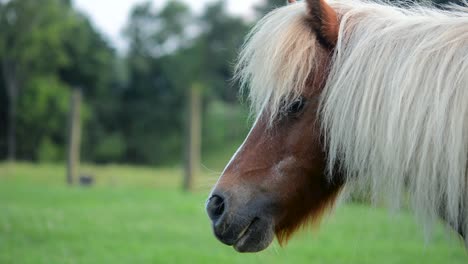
x=138, y=215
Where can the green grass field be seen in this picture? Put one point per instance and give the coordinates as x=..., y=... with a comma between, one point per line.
x=139, y=215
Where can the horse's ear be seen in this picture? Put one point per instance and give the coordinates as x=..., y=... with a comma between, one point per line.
x=324, y=21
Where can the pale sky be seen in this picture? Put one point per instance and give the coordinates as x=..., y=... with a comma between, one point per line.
x=109, y=17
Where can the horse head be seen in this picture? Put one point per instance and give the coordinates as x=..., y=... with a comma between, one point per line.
x=275, y=182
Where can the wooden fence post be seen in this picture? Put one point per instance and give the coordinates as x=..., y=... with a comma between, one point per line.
x=74, y=135
x=193, y=134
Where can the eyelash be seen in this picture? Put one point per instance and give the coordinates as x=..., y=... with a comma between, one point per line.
x=296, y=107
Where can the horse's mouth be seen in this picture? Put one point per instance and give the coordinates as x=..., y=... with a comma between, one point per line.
x=257, y=236
x=254, y=237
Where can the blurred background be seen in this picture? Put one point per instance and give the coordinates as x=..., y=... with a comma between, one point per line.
x=117, y=117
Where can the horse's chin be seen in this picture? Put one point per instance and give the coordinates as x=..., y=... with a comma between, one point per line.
x=257, y=237
x=245, y=233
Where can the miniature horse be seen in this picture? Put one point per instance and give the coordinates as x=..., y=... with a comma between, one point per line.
x=348, y=93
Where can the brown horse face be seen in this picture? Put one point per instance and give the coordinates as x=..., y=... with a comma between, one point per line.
x=274, y=182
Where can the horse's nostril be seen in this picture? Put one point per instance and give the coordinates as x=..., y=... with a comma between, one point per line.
x=215, y=207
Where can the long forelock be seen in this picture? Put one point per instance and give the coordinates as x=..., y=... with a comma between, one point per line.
x=394, y=111
x=277, y=59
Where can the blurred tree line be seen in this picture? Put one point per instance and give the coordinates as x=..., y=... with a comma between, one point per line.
x=134, y=105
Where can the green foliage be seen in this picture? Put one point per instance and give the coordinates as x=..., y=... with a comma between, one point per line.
x=268, y=5
x=32, y=35
x=30, y=45
x=134, y=107
x=217, y=48
x=3, y=118
x=90, y=67
x=42, y=118
x=110, y=147
x=49, y=151
x=151, y=103
x=90, y=59
x=46, y=48
x=224, y=125
x=164, y=61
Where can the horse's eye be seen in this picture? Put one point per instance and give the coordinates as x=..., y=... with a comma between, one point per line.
x=297, y=106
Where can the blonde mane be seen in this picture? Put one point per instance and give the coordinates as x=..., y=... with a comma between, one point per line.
x=278, y=57
x=394, y=110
